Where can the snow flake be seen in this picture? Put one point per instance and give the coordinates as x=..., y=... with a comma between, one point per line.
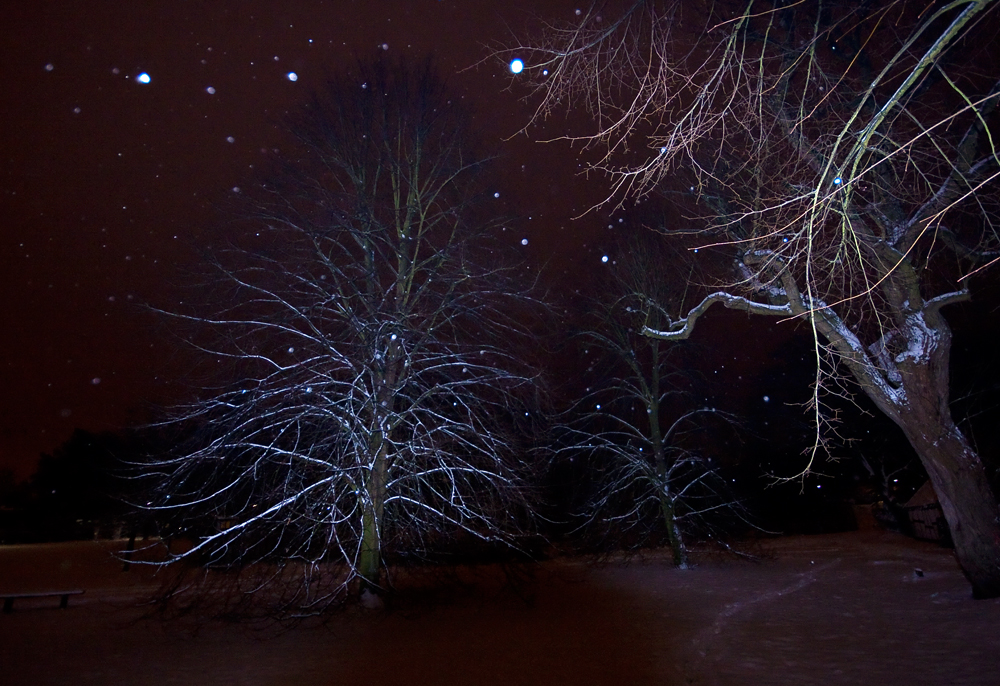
x=143, y=78
x=516, y=66
x=292, y=76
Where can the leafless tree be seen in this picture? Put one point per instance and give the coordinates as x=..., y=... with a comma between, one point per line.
x=639, y=428
x=844, y=156
x=373, y=389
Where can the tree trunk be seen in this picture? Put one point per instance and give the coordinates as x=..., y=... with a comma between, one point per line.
x=960, y=481
x=370, y=559
x=921, y=408
x=915, y=395
x=673, y=531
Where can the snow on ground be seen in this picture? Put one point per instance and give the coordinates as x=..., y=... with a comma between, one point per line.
x=836, y=609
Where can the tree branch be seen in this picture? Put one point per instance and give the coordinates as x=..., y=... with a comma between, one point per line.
x=683, y=328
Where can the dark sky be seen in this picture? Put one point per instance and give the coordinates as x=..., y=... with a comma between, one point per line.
x=107, y=184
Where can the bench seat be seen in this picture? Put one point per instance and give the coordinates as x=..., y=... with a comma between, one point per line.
x=9, y=598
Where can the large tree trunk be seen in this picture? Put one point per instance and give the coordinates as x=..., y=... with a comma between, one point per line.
x=960, y=481
x=921, y=408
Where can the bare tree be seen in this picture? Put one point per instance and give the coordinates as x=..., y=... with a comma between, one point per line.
x=371, y=405
x=844, y=156
x=640, y=430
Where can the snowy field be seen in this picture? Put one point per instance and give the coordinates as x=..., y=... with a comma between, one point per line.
x=836, y=609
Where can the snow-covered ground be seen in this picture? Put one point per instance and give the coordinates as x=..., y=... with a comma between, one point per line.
x=836, y=609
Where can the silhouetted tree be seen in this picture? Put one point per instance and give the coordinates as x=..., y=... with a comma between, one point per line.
x=375, y=395
x=640, y=430
x=78, y=487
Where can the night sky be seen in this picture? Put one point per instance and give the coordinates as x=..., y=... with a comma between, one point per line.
x=109, y=185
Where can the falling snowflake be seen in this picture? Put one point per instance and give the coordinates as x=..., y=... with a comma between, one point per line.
x=292, y=76
x=143, y=78
x=516, y=66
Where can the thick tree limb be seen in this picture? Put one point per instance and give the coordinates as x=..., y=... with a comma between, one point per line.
x=683, y=328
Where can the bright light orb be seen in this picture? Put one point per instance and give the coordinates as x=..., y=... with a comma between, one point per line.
x=143, y=78
x=524, y=241
x=516, y=66
x=292, y=76
x=604, y=258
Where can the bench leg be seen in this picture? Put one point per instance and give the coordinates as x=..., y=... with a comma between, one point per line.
x=8, y=605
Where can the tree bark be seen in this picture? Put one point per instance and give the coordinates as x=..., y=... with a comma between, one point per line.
x=960, y=481
x=370, y=559
x=921, y=408
x=673, y=532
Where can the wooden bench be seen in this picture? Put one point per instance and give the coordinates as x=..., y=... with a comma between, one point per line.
x=9, y=598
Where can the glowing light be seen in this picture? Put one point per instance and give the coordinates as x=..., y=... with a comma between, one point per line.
x=143, y=78
x=604, y=258
x=292, y=76
x=524, y=241
x=516, y=66
x=837, y=181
